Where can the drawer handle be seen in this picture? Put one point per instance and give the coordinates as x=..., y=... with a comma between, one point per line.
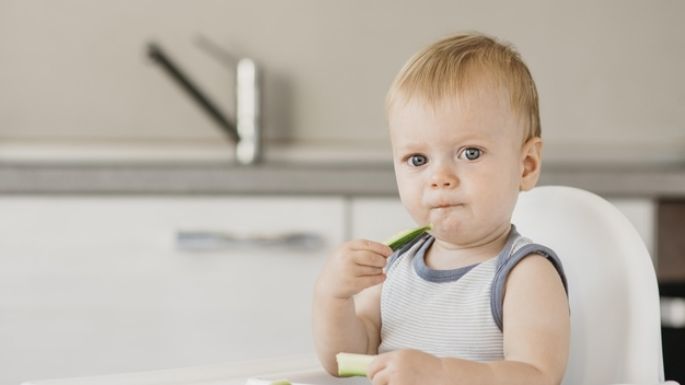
x=216, y=240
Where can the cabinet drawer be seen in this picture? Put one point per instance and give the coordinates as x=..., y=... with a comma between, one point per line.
x=92, y=285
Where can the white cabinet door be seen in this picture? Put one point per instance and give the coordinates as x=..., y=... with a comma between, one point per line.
x=92, y=285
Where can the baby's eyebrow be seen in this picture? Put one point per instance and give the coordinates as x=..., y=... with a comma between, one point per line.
x=410, y=146
x=409, y=151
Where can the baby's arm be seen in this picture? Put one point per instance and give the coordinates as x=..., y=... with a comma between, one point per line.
x=347, y=301
x=536, y=339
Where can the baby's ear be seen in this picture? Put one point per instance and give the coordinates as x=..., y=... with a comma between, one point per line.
x=531, y=158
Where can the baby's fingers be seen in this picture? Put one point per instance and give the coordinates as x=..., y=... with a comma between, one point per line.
x=375, y=247
x=375, y=371
x=362, y=258
x=363, y=271
x=370, y=280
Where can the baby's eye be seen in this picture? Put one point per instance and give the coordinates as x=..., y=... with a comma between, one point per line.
x=417, y=160
x=471, y=153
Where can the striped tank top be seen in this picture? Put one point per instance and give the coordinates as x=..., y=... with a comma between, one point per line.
x=450, y=313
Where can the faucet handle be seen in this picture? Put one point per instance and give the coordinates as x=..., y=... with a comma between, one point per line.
x=159, y=57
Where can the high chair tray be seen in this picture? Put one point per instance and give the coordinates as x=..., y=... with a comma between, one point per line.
x=310, y=377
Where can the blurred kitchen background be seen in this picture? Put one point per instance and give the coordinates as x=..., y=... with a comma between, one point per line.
x=131, y=238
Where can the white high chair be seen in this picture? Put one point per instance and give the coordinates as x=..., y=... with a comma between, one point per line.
x=613, y=292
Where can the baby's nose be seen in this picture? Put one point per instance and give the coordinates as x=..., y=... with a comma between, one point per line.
x=444, y=180
x=444, y=184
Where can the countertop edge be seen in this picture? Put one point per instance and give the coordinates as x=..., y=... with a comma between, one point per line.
x=285, y=179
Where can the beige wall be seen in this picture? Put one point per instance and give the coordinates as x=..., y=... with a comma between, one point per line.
x=610, y=73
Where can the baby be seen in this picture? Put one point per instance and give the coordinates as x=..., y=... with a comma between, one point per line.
x=472, y=302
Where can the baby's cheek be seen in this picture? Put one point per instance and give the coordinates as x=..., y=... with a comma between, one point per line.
x=411, y=200
x=419, y=215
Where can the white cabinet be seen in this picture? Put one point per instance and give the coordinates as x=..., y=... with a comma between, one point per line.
x=92, y=285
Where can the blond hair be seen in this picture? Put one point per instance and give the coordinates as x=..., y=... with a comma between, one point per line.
x=456, y=64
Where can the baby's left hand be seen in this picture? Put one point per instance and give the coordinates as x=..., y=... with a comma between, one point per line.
x=405, y=367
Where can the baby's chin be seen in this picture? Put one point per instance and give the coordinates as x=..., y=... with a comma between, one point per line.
x=448, y=228
x=460, y=236
x=460, y=231
x=448, y=219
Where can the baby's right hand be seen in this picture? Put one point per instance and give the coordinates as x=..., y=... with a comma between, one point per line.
x=353, y=267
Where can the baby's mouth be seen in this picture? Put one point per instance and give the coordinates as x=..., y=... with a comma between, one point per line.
x=445, y=205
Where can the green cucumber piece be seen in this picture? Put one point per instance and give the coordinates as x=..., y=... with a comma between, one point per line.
x=350, y=364
x=404, y=237
x=281, y=382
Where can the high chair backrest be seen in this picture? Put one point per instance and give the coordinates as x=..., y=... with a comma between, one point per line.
x=613, y=292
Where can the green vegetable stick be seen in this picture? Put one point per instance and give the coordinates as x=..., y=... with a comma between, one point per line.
x=281, y=382
x=404, y=237
x=350, y=364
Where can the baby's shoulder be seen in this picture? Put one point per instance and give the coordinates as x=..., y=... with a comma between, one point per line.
x=533, y=265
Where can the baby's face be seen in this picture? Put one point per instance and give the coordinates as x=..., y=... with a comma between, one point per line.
x=458, y=165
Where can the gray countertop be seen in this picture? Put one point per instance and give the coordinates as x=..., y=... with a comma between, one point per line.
x=375, y=179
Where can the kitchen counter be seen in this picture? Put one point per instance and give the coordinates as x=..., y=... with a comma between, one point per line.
x=360, y=179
